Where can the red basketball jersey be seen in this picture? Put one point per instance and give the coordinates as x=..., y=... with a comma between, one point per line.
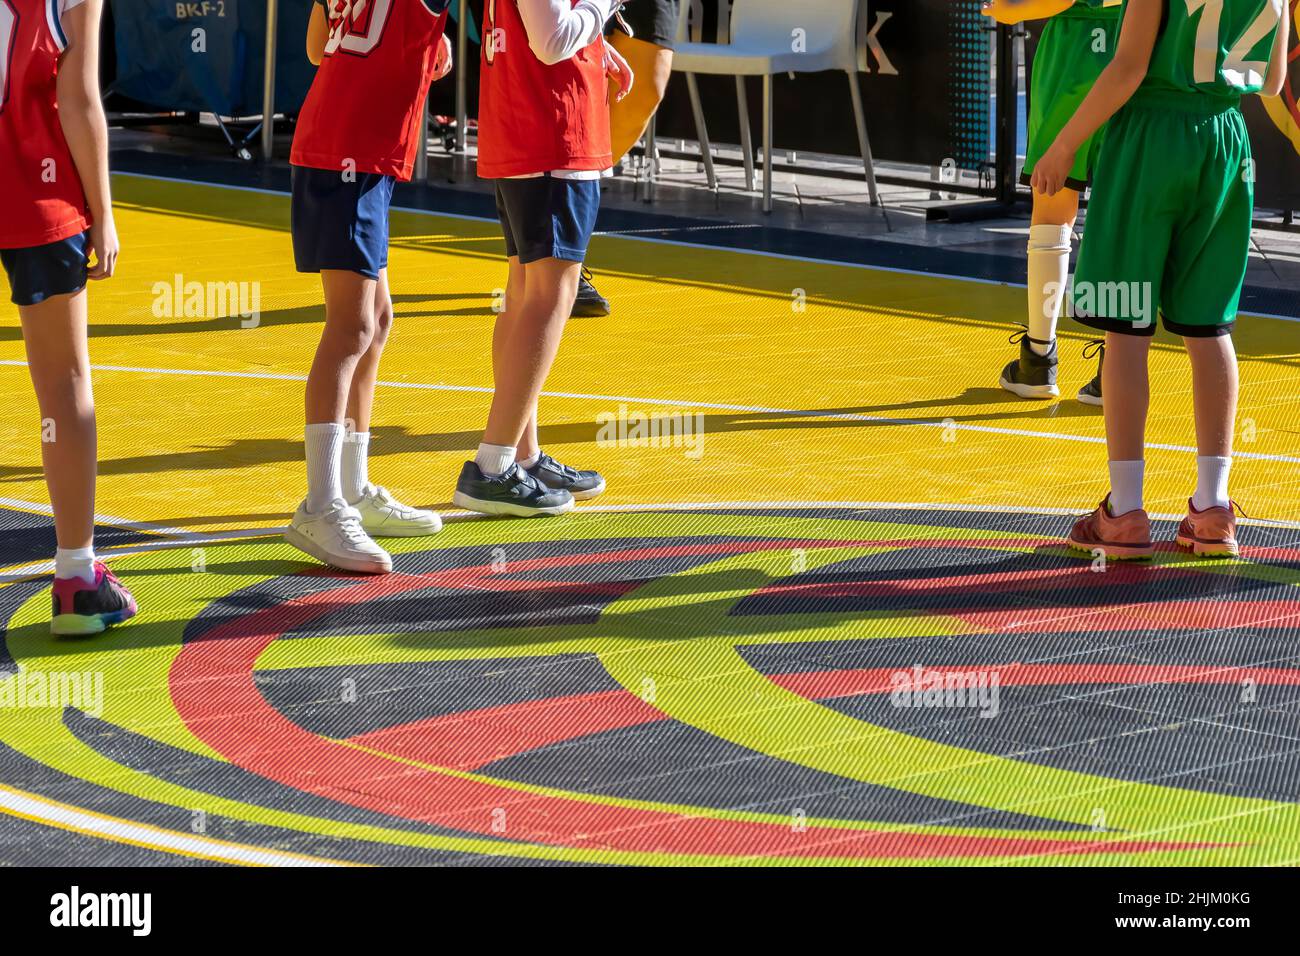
x=367, y=99
x=535, y=118
x=44, y=201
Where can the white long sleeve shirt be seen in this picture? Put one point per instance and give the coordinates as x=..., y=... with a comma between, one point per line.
x=557, y=29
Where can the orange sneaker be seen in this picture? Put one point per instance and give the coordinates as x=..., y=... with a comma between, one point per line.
x=1125, y=537
x=1210, y=533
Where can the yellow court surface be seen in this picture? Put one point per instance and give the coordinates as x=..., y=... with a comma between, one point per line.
x=825, y=617
x=817, y=382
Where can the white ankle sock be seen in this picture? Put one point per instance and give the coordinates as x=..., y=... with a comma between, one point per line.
x=1211, y=482
x=75, y=563
x=1049, y=270
x=530, y=461
x=1126, y=486
x=324, y=457
x=494, y=460
x=356, y=478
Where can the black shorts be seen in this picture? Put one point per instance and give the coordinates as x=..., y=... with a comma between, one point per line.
x=340, y=222
x=654, y=21
x=42, y=272
x=545, y=217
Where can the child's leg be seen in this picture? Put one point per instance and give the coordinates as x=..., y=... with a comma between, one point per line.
x=1033, y=374
x=1050, y=233
x=361, y=397
x=1214, y=396
x=1127, y=386
x=348, y=334
x=382, y=515
x=54, y=332
x=524, y=345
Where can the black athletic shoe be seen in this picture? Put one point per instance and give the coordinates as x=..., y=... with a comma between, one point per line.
x=581, y=484
x=515, y=493
x=1032, y=375
x=589, y=304
x=1090, y=394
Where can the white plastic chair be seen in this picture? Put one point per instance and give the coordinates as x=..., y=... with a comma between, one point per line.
x=768, y=37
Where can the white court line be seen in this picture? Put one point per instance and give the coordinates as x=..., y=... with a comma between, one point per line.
x=124, y=523
x=630, y=237
x=681, y=404
x=67, y=817
x=191, y=539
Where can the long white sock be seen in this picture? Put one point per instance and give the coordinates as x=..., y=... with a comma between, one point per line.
x=75, y=563
x=324, y=457
x=1212, y=482
x=493, y=460
x=1126, y=486
x=356, y=478
x=1049, y=270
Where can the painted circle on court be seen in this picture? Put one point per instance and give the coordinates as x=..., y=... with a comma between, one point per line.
x=797, y=686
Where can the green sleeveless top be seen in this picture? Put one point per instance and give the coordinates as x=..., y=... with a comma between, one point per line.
x=1214, y=47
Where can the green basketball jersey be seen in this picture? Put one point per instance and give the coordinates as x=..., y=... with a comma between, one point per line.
x=1093, y=9
x=1219, y=47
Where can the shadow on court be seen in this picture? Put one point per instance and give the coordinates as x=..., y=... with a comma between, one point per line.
x=397, y=440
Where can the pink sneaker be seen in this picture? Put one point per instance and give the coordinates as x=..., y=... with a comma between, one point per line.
x=1210, y=533
x=81, y=608
x=1125, y=537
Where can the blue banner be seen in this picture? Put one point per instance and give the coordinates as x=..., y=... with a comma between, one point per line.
x=209, y=55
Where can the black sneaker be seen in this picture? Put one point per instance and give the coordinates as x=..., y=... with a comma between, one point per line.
x=1090, y=394
x=82, y=608
x=589, y=304
x=581, y=484
x=515, y=493
x=1032, y=375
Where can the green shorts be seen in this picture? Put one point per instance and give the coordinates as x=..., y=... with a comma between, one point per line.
x=1168, y=228
x=1075, y=47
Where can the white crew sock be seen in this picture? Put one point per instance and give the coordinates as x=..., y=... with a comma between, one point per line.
x=1126, y=486
x=324, y=456
x=494, y=460
x=530, y=461
x=356, y=478
x=1212, y=482
x=1049, y=271
x=75, y=563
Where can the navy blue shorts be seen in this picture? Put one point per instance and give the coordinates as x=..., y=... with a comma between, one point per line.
x=42, y=272
x=548, y=218
x=340, y=224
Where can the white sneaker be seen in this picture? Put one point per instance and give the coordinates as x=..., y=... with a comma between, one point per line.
x=336, y=537
x=383, y=516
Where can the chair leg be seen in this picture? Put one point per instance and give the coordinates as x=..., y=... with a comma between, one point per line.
x=746, y=137
x=860, y=117
x=767, y=143
x=701, y=130
x=652, y=153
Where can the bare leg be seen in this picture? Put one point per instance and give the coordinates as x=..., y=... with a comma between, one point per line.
x=1059, y=210
x=1214, y=393
x=1128, y=395
x=349, y=332
x=525, y=342
x=54, y=332
x=361, y=395
x=652, y=66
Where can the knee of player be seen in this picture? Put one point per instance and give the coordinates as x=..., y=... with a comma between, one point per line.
x=383, y=320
